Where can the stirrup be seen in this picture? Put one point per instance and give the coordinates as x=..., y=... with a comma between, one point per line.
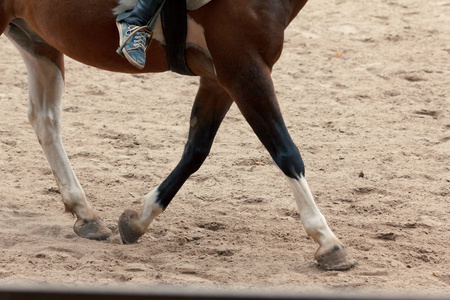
x=147, y=44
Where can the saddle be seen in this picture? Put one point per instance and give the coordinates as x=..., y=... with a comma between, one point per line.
x=174, y=24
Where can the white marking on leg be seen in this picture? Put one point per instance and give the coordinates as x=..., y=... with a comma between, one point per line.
x=314, y=222
x=44, y=113
x=151, y=208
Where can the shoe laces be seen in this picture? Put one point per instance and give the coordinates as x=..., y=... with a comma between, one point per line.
x=139, y=38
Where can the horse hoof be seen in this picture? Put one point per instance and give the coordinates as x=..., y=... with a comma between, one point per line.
x=336, y=258
x=130, y=232
x=93, y=230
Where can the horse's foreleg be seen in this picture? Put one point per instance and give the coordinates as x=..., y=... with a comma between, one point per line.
x=211, y=105
x=45, y=78
x=252, y=89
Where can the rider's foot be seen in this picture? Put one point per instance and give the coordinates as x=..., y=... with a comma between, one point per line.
x=133, y=41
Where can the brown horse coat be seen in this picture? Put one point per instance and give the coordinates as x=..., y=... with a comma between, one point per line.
x=232, y=45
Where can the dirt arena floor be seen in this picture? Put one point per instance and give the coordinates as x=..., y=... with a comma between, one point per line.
x=365, y=91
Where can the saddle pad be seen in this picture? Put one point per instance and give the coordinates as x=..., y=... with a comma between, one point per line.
x=195, y=4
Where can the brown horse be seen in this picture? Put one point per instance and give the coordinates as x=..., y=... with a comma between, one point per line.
x=232, y=45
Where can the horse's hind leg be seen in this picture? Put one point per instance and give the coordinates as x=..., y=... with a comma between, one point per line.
x=245, y=74
x=45, y=66
x=211, y=105
x=255, y=97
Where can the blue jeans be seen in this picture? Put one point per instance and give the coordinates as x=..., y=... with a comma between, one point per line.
x=143, y=13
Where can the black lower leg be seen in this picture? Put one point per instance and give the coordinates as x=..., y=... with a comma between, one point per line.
x=143, y=14
x=282, y=149
x=210, y=107
x=255, y=96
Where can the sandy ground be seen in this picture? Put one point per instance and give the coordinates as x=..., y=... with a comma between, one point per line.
x=364, y=87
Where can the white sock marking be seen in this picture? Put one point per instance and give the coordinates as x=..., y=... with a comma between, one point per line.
x=314, y=222
x=151, y=209
x=46, y=85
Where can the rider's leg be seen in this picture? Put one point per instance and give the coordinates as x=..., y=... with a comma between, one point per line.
x=135, y=28
x=142, y=13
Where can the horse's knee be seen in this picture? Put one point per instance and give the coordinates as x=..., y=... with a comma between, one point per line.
x=46, y=124
x=290, y=162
